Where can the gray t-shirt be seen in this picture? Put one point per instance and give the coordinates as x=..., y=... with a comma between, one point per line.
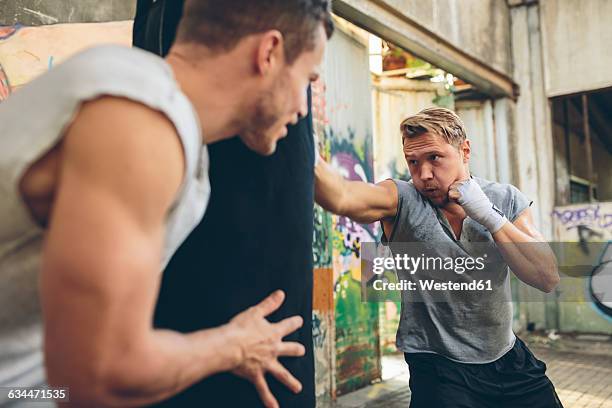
x=465, y=326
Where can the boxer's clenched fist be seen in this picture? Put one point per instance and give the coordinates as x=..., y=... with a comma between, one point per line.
x=469, y=195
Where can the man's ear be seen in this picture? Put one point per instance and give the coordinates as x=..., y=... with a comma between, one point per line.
x=466, y=150
x=270, y=52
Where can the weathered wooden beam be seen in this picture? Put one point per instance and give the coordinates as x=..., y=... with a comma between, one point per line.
x=389, y=23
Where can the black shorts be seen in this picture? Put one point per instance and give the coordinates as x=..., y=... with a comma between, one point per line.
x=516, y=380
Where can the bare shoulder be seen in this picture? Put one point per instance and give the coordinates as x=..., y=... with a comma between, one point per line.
x=388, y=185
x=391, y=191
x=391, y=199
x=125, y=149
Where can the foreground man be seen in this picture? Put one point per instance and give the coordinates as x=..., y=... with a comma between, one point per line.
x=108, y=177
x=260, y=216
x=460, y=354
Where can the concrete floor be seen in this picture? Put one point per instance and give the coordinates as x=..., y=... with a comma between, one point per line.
x=579, y=366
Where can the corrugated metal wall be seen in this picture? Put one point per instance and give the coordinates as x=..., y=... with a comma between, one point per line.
x=394, y=100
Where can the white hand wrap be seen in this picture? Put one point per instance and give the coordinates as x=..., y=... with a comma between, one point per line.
x=478, y=206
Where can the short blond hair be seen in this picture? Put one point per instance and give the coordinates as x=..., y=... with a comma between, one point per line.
x=439, y=121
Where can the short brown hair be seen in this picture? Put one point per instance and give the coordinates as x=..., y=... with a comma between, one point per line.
x=439, y=121
x=221, y=24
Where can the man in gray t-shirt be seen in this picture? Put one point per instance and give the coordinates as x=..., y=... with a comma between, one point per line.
x=458, y=340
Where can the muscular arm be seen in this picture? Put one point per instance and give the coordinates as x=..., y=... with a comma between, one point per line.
x=122, y=166
x=121, y=169
x=520, y=243
x=527, y=253
x=360, y=201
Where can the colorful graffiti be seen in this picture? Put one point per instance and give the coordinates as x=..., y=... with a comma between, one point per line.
x=5, y=85
x=27, y=52
x=600, y=282
x=322, y=334
x=319, y=332
x=319, y=104
x=588, y=223
x=357, y=327
x=321, y=251
x=343, y=120
x=590, y=216
x=7, y=32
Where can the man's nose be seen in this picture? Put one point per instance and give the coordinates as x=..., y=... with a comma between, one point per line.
x=426, y=173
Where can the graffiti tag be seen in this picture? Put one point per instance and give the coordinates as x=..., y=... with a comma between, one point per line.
x=318, y=333
x=592, y=215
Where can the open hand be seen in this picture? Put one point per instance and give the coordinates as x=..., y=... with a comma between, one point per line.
x=261, y=345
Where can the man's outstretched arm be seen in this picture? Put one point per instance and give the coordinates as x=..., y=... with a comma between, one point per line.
x=122, y=165
x=360, y=201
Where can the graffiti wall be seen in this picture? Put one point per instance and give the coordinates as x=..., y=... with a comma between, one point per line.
x=323, y=324
x=347, y=137
x=343, y=121
x=26, y=52
x=587, y=223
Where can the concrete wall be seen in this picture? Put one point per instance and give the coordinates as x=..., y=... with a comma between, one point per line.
x=469, y=39
x=531, y=150
x=34, y=38
x=531, y=137
x=558, y=47
x=394, y=99
x=36, y=12
x=480, y=27
x=577, y=35
x=478, y=119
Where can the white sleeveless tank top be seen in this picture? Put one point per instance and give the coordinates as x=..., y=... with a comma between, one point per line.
x=32, y=121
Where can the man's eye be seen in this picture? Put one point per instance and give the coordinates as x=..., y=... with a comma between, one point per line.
x=434, y=157
x=412, y=162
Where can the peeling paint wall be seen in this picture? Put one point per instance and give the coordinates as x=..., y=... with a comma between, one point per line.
x=587, y=223
x=323, y=324
x=35, y=35
x=343, y=118
x=323, y=334
x=37, y=12
x=26, y=52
